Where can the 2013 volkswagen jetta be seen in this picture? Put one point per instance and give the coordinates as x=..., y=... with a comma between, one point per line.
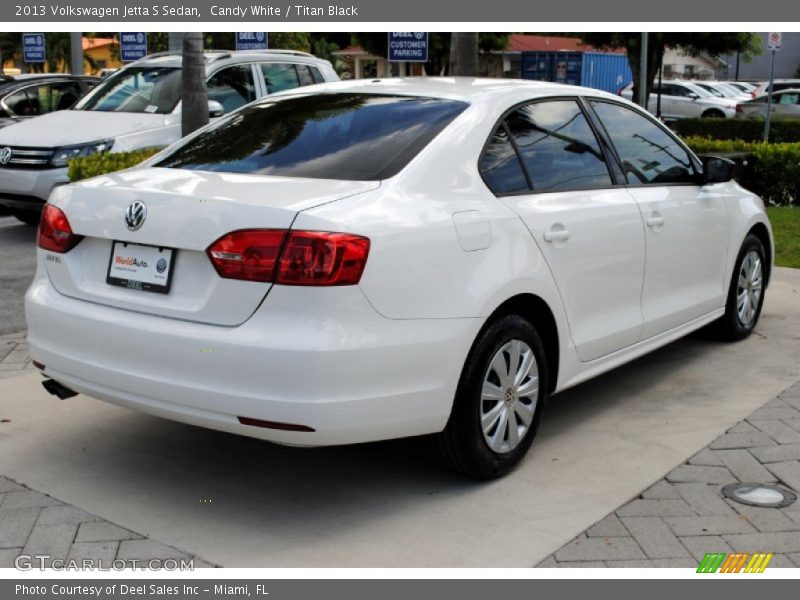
x=377, y=259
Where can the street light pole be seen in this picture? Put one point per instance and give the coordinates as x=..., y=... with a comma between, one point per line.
x=643, y=72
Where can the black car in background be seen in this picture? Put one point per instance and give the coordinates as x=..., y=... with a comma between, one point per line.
x=26, y=96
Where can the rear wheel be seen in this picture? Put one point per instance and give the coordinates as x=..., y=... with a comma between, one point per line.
x=29, y=217
x=746, y=291
x=713, y=113
x=498, y=402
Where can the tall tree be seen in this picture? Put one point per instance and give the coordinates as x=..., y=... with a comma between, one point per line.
x=712, y=44
x=194, y=93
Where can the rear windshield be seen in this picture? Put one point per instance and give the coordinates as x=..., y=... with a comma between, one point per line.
x=353, y=137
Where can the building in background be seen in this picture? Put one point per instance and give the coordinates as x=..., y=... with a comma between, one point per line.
x=787, y=61
x=679, y=65
x=103, y=53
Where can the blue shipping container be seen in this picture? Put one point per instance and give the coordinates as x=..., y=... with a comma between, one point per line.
x=608, y=72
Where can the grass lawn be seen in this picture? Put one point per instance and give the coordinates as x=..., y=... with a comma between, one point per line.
x=786, y=229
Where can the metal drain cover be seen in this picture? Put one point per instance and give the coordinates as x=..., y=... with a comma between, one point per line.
x=764, y=495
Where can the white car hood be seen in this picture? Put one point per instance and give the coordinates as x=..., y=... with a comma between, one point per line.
x=68, y=127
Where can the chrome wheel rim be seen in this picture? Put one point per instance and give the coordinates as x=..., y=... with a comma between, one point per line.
x=509, y=396
x=749, y=288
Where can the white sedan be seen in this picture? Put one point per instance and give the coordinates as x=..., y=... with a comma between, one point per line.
x=378, y=259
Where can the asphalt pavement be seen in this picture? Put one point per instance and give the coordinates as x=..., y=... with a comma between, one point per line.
x=17, y=265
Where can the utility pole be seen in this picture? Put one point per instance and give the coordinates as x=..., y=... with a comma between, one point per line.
x=774, y=39
x=76, y=53
x=643, y=72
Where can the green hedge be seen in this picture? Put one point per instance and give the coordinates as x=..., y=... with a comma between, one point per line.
x=85, y=167
x=772, y=170
x=748, y=130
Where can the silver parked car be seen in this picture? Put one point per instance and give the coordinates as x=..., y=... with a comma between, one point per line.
x=784, y=104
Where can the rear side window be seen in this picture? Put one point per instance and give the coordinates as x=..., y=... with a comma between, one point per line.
x=500, y=165
x=318, y=78
x=305, y=75
x=280, y=76
x=649, y=154
x=353, y=137
x=558, y=147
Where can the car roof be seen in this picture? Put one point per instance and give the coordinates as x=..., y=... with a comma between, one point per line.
x=474, y=90
x=14, y=83
x=174, y=59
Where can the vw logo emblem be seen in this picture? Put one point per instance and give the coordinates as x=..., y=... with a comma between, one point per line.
x=5, y=155
x=135, y=215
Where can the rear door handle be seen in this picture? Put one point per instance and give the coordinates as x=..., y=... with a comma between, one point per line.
x=559, y=235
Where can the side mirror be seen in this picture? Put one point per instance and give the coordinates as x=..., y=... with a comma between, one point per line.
x=215, y=109
x=693, y=96
x=717, y=170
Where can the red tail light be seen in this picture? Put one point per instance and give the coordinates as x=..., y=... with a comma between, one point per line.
x=250, y=255
x=739, y=108
x=290, y=257
x=54, y=232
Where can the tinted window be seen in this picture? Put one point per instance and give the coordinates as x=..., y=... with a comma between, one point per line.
x=232, y=87
x=500, y=165
x=557, y=146
x=279, y=77
x=322, y=136
x=648, y=153
x=787, y=98
x=21, y=104
x=318, y=78
x=305, y=75
x=137, y=89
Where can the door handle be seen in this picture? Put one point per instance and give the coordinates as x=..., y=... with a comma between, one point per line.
x=655, y=220
x=558, y=235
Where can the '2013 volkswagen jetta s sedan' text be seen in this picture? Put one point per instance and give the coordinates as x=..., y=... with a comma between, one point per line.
x=368, y=260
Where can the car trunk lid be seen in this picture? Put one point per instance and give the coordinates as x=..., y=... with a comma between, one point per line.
x=186, y=211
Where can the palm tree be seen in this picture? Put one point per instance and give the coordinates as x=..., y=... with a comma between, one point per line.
x=194, y=94
x=464, y=54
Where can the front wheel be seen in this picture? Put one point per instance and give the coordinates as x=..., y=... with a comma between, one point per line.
x=498, y=402
x=746, y=292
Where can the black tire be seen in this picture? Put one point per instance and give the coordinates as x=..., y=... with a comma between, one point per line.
x=29, y=217
x=462, y=446
x=713, y=113
x=730, y=326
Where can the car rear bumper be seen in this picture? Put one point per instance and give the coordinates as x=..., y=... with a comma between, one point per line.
x=28, y=189
x=333, y=365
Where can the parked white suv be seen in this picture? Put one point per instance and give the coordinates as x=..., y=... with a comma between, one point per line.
x=683, y=99
x=137, y=107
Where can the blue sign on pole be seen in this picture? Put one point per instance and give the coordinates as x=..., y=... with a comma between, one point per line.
x=33, y=47
x=252, y=40
x=132, y=46
x=408, y=46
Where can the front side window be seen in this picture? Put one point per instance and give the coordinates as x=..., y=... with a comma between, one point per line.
x=649, y=154
x=788, y=98
x=58, y=96
x=137, y=90
x=232, y=87
x=20, y=104
x=356, y=137
x=557, y=146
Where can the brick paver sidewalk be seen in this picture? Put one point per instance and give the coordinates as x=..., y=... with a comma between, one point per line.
x=33, y=523
x=680, y=518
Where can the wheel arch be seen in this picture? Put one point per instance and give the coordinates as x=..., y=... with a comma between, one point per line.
x=762, y=233
x=534, y=309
